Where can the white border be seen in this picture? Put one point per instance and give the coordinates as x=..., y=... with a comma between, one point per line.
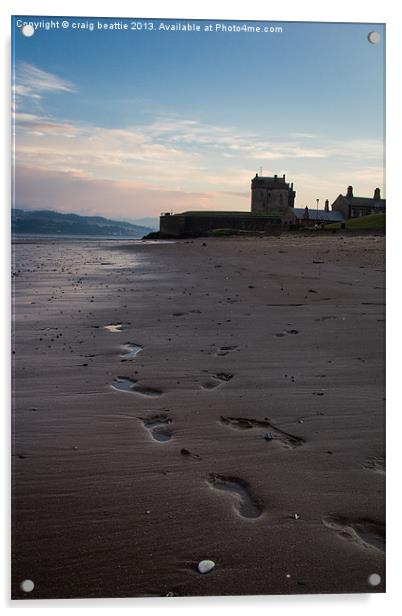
x=286, y=10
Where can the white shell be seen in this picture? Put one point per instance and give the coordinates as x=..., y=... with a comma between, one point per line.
x=205, y=565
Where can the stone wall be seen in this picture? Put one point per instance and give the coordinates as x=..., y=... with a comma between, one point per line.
x=178, y=225
x=266, y=200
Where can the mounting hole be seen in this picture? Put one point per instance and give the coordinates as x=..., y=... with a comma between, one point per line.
x=374, y=37
x=27, y=585
x=27, y=30
x=374, y=579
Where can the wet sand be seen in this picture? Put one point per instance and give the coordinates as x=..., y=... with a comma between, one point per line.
x=175, y=402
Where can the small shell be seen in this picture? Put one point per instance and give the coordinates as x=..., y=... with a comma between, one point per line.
x=204, y=566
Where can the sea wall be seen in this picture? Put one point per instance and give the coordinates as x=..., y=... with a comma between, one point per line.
x=178, y=225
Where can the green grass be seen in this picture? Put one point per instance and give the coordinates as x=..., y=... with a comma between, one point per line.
x=374, y=222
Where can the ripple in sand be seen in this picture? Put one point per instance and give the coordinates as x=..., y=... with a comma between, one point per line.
x=245, y=502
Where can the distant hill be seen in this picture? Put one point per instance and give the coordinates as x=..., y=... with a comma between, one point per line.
x=152, y=223
x=53, y=223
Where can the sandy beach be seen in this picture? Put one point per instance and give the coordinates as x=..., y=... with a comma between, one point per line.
x=213, y=399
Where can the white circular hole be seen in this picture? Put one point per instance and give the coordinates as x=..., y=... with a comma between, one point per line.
x=374, y=37
x=27, y=30
x=27, y=585
x=374, y=579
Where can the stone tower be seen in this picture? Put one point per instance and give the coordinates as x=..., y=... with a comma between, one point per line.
x=271, y=195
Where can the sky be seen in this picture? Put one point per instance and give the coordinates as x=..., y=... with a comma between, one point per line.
x=130, y=123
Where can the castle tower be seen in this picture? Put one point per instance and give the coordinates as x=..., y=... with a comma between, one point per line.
x=271, y=195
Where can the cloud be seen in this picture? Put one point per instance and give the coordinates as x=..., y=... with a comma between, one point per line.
x=298, y=135
x=33, y=83
x=31, y=79
x=172, y=162
x=72, y=192
x=228, y=140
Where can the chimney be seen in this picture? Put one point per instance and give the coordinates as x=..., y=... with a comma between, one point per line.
x=283, y=177
x=275, y=177
x=377, y=194
x=349, y=194
x=326, y=208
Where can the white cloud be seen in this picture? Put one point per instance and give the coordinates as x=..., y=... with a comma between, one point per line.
x=32, y=83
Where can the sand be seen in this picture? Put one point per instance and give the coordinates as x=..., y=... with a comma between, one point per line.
x=233, y=410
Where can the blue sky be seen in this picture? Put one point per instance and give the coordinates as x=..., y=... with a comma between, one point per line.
x=131, y=123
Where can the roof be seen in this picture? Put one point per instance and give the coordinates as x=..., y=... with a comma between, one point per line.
x=278, y=178
x=271, y=182
x=299, y=213
x=367, y=202
x=364, y=201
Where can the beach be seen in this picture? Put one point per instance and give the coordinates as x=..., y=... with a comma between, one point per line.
x=215, y=399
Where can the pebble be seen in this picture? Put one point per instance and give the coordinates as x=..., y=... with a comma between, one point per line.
x=204, y=566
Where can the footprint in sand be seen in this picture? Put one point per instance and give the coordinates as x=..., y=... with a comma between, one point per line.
x=123, y=383
x=131, y=350
x=186, y=453
x=157, y=425
x=225, y=350
x=115, y=328
x=216, y=380
x=245, y=502
x=282, y=437
x=287, y=332
x=363, y=532
x=376, y=464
